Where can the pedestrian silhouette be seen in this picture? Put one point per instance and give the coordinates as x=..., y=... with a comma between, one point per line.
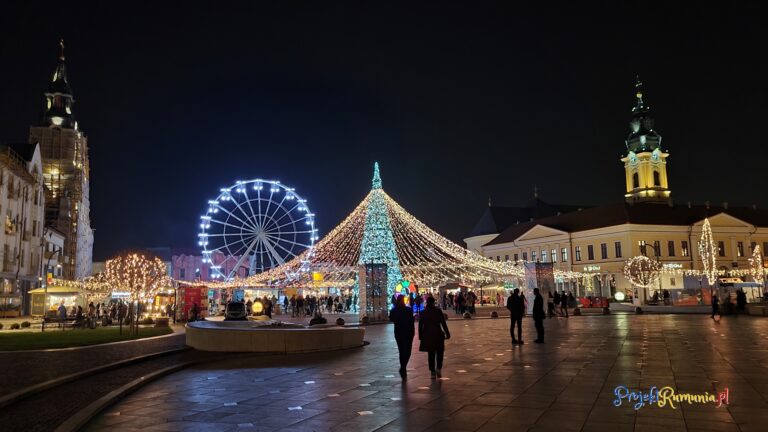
x=402, y=316
x=538, y=315
x=433, y=331
x=516, y=307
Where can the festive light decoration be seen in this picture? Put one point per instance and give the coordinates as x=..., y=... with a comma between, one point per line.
x=136, y=274
x=708, y=253
x=642, y=271
x=378, y=244
x=253, y=226
x=380, y=230
x=756, y=265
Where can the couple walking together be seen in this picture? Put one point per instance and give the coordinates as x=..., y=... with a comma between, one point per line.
x=433, y=331
x=516, y=306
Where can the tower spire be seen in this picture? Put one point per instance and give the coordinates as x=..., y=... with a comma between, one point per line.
x=639, y=104
x=61, y=49
x=376, y=184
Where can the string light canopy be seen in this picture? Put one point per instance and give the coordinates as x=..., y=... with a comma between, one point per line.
x=380, y=231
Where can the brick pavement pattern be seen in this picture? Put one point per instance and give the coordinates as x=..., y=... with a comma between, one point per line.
x=488, y=384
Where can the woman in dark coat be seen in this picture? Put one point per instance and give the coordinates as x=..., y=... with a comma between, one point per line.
x=402, y=316
x=433, y=331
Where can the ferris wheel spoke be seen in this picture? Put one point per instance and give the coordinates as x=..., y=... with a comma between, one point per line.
x=288, y=213
x=248, y=200
x=243, y=256
x=292, y=222
x=232, y=215
x=227, y=224
x=290, y=253
x=248, y=216
x=279, y=240
x=278, y=259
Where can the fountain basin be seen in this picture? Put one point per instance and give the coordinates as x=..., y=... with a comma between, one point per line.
x=270, y=336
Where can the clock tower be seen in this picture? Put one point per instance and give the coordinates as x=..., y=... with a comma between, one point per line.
x=645, y=162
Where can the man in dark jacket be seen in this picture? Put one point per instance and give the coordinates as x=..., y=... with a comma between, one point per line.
x=538, y=315
x=516, y=307
x=402, y=316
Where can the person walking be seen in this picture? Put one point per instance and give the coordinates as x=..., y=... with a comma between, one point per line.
x=516, y=307
x=715, y=307
x=564, y=305
x=550, y=304
x=538, y=315
x=433, y=331
x=402, y=316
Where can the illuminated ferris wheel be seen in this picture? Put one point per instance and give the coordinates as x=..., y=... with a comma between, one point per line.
x=254, y=226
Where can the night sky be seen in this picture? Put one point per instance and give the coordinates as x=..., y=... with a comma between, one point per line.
x=455, y=102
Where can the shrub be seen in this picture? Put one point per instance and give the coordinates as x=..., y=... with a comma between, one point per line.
x=25, y=324
x=15, y=326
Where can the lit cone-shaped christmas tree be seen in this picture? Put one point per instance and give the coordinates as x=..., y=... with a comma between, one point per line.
x=378, y=246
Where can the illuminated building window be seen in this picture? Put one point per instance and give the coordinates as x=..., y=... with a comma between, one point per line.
x=740, y=249
x=643, y=250
x=590, y=252
x=657, y=248
x=525, y=256
x=684, y=249
x=506, y=257
x=671, y=248
x=553, y=254
x=517, y=258
x=564, y=254
x=533, y=256
x=720, y=249
x=577, y=253
x=544, y=255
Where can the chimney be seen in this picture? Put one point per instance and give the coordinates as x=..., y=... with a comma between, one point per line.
x=725, y=205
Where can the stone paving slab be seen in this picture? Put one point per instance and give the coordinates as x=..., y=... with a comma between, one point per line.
x=488, y=384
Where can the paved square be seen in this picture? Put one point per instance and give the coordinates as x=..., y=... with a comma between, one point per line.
x=488, y=384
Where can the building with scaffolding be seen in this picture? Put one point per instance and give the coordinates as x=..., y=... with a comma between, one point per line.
x=64, y=151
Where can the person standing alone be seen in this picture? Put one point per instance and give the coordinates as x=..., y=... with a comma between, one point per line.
x=433, y=331
x=538, y=315
x=516, y=307
x=402, y=316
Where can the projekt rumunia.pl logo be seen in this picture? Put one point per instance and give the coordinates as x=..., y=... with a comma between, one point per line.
x=666, y=396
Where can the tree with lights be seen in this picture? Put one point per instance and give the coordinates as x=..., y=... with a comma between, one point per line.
x=708, y=254
x=136, y=274
x=378, y=244
x=756, y=266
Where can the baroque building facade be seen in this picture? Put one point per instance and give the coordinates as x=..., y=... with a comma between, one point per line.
x=597, y=241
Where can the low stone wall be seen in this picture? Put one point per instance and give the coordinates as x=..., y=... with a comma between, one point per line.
x=242, y=336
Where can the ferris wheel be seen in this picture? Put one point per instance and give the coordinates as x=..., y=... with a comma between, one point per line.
x=254, y=226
